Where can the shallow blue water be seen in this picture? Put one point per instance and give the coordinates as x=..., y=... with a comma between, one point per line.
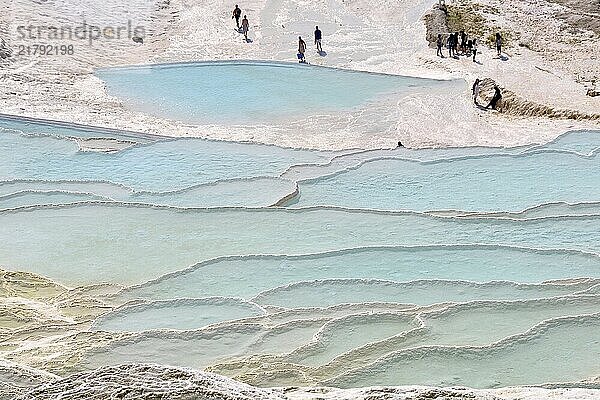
x=131, y=244
x=240, y=93
x=370, y=264
x=583, y=142
x=160, y=166
x=246, y=276
x=489, y=183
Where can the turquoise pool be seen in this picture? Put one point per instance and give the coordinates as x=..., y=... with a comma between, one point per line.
x=251, y=92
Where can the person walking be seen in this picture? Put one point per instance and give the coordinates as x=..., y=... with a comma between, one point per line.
x=475, y=91
x=499, y=43
x=245, y=27
x=237, y=13
x=440, y=44
x=495, y=99
x=474, y=49
x=318, y=37
x=301, y=49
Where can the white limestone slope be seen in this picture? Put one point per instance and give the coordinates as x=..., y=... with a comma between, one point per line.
x=373, y=35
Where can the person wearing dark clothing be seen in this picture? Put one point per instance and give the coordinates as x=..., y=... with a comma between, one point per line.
x=450, y=44
x=237, y=13
x=455, y=43
x=318, y=37
x=440, y=44
x=499, y=43
x=495, y=99
x=474, y=49
x=463, y=41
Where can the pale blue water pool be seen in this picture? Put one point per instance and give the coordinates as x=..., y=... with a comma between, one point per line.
x=487, y=183
x=250, y=92
x=160, y=166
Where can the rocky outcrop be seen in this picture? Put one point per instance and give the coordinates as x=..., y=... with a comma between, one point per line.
x=436, y=23
x=149, y=382
x=513, y=104
x=593, y=92
x=162, y=382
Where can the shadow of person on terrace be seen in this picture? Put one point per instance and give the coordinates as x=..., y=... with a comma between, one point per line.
x=248, y=40
x=322, y=53
x=502, y=57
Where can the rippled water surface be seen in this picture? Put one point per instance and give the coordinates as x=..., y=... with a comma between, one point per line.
x=476, y=267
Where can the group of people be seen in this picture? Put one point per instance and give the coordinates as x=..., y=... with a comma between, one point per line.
x=457, y=44
x=237, y=13
x=245, y=26
x=302, y=45
x=460, y=44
